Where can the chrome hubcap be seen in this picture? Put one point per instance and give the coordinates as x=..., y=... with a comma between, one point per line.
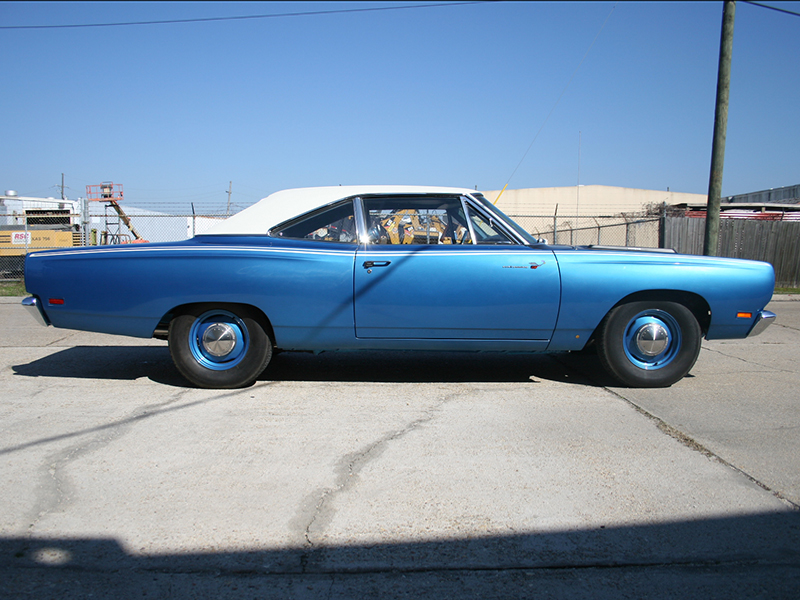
x=219, y=339
x=651, y=339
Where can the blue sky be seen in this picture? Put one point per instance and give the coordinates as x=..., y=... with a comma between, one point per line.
x=450, y=95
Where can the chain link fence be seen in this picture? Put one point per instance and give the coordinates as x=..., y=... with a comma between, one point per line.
x=639, y=231
x=107, y=227
x=93, y=224
x=32, y=230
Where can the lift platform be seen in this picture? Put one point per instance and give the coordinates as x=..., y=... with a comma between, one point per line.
x=111, y=194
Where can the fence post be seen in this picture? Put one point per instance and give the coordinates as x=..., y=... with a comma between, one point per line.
x=555, y=225
x=25, y=220
x=627, y=231
x=85, y=220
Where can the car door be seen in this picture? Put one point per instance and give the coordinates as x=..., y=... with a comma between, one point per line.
x=438, y=268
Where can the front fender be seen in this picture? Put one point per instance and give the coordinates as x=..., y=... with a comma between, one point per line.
x=594, y=281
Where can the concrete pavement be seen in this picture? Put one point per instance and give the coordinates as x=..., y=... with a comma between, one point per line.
x=354, y=475
x=741, y=402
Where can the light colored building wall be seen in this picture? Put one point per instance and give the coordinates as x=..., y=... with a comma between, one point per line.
x=586, y=200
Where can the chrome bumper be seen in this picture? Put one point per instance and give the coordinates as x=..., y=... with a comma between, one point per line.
x=34, y=307
x=763, y=320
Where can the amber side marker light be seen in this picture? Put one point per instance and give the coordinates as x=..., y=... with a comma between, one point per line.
x=743, y=315
x=56, y=301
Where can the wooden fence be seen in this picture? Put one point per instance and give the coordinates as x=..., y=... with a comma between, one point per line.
x=775, y=242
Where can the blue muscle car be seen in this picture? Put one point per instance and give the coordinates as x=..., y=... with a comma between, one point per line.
x=397, y=267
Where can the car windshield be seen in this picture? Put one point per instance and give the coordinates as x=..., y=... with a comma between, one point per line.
x=529, y=239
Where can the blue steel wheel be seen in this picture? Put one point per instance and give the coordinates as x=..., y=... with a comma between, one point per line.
x=649, y=344
x=652, y=339
x=218, y=340
x=219, y=346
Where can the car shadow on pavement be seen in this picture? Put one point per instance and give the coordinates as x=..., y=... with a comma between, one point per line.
x=435, y=367
x=127, y=363
x=745, y=556
x=123, y=363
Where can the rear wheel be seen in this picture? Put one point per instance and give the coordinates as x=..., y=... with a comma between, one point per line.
x=219, y=346
x=649, y=344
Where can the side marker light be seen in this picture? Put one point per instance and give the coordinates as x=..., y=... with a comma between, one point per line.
x=744, y=315
x=56, y=301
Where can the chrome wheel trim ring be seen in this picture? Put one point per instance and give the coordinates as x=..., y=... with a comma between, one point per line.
x=652, y=339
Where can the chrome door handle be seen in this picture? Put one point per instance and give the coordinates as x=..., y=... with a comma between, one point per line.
x=376, y=263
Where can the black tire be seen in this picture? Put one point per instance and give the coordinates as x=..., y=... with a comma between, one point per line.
x=219, y=346
x=649, y=344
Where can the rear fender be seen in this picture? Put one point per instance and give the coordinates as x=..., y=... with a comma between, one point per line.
x=197, y=308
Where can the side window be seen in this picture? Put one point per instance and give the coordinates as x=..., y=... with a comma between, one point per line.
x=485, y=230
x=421, y=221
x=336, y=224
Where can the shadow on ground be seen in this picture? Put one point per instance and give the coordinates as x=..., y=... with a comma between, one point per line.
x=127, y=363
x=753, y=556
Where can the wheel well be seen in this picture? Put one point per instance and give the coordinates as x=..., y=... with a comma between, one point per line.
x=162, y=329
x=694, y=302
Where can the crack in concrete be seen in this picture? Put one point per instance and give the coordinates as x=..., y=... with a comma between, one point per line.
x=746, y=360
x=686, y=439
x=151, y=410
x=693, y=444
x=317, y=510
x=784, y=326
x=53, y=492
x=348, y=573
x=61, y=339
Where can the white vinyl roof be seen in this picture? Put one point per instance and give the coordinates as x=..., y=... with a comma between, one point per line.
x=284, y=205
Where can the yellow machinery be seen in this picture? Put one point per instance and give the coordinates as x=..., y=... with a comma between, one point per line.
x=16, y=243
x=35, y=224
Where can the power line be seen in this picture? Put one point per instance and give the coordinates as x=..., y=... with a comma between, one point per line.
x=783, y=10
x=247, y=17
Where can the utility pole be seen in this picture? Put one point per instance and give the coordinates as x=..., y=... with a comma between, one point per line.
x=228, y=211
x=578, y=192
x=720, y=130
x=63, y=197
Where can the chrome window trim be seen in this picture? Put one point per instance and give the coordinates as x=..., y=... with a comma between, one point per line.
x=504, y=220
x=361, y=221
x=492, y=219
x=465, y=207
x=361, y=201
x=306, y=215
x=467, y=202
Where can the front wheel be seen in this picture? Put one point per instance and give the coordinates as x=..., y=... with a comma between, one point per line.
x=649, y=344
x=219, y=347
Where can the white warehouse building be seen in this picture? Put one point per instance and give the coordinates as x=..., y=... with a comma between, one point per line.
x=587, y=200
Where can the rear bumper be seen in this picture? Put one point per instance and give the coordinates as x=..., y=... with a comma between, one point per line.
x=764, y=319
x=34, y=309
